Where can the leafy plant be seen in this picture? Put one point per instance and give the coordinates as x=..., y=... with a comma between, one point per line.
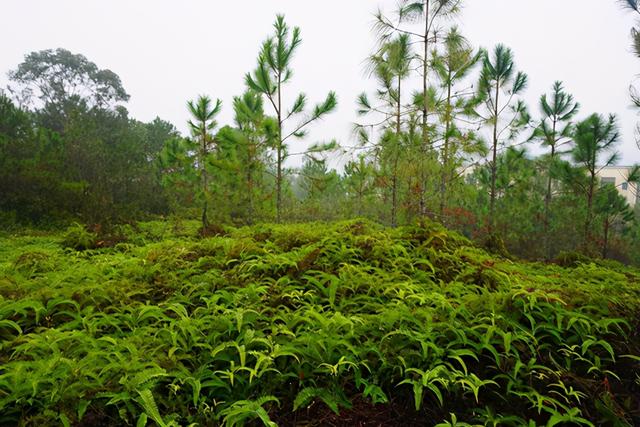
x=79, y=238
x=321, y=319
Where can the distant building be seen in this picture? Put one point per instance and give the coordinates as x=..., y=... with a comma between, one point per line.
x=617, y=176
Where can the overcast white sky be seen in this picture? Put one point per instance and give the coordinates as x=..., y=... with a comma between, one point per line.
x=167, y=52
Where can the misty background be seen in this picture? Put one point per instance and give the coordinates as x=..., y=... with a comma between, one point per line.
x=168, y=52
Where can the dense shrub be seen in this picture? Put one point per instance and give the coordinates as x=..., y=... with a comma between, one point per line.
x=79, y=238
x=571, y=259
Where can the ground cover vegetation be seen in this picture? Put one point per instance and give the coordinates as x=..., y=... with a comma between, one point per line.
x=219, y=278
x=349, y=323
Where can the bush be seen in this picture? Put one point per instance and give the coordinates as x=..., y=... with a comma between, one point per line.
x=79, y=238
x=212, y=230
x=33, y=263
x=571, y=259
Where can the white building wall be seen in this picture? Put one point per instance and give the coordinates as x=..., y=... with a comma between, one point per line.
x=617, y=175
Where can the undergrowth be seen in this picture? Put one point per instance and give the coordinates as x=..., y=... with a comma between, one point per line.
x=302, y=324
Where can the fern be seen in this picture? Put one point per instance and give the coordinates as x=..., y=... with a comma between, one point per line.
x=238, y=413
x=150, y=408
x=174, y=330
x=308, y=394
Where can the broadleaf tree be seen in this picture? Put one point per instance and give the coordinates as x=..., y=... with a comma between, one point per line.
x=57, y=82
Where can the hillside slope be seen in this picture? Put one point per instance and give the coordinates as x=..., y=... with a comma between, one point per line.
x=319, y=324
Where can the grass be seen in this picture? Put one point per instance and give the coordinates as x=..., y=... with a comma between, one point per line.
x=317, y=324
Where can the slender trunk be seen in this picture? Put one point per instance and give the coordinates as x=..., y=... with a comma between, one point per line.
x=394, y=190
x=445, y=153
x=205, y=181
x=425, y=76
x=591, y=190
x=394, y=195
x=547, y=198
x=279, y=156
x=411, y=209
x=590, y=193
x=494, y=163
x=605, y=245
x=425, y=110
x=250, y=186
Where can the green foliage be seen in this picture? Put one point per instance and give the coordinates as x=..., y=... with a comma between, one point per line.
x=500, y=110
x=595, y=139
x=271, y=322
x=273, y=73
x=554, y=130
x=79, y=238
x=241, y=411
x=97, y=171
x=62, y=82
x=178, y=323
x=571, y=259
x=203, y=113
x=495, y=245
x=69, y=152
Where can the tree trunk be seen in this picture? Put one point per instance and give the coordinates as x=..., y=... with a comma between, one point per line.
x=205, y=180
x=250, y=187
x=587, y=224
x=547, y=200
x=394, y=196
x=394, y=190
x=605, y=245
x=494, y=163
x=279, y=186
x=279, y=156
x=592, y=187
x=425, y=110
x=445, y=153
